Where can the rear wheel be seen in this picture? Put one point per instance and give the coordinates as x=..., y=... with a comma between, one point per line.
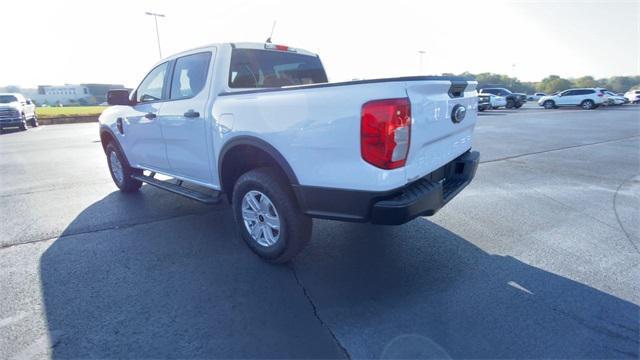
x=549, y=104
x=268, y=216
x=587, y=104
x=120, y=171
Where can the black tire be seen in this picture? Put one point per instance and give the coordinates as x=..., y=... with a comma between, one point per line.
x=587, y=105
x=518, y=105
x=23, y=124
x=549, y=104
x=126, y=184
x=34, y=121
x=294, y=227
x=510, y=104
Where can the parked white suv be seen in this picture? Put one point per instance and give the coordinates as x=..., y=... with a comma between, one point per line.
x=16, y=111
x=585, y=98
x=259, y=125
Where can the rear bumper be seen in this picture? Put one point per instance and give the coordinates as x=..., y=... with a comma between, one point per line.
x=423, y=197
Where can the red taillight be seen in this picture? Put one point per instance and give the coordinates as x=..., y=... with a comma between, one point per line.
x=385, y=130
x=271, y=46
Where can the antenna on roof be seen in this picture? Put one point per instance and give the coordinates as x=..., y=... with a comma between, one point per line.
x=273, y=27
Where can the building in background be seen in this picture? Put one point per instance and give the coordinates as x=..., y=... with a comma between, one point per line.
x=71, y=94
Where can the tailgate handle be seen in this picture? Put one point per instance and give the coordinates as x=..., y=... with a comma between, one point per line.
x=457, y=89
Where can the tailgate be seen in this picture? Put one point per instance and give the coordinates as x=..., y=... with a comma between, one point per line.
x=435, y=138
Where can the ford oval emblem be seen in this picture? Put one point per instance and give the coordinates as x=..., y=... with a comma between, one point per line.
x=458, y=113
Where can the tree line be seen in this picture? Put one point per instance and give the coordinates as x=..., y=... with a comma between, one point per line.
x=548, y=85
x=553, y=83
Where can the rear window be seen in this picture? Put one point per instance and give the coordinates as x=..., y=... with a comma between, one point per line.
x=252, y=68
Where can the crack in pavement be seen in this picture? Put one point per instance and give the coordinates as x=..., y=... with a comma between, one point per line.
x=615, y=211
x=315, y=312
x=107, y=228
x=558, y=149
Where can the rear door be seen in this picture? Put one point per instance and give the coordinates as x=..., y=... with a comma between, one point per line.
x=184, y=118
x=437, y=137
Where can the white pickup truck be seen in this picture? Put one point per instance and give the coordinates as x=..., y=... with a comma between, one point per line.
x=260, y=126
x=17, y=111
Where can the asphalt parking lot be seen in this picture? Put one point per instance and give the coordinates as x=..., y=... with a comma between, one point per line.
x=538, y=257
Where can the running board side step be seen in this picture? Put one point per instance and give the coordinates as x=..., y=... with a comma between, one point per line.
x=209, y=199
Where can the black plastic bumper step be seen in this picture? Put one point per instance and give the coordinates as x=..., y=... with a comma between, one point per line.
x=212, y=198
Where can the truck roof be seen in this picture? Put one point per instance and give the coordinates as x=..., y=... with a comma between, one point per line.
x=240, y=45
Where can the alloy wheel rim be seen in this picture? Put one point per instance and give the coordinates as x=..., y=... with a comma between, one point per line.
x=116, y=167
x=261, y=218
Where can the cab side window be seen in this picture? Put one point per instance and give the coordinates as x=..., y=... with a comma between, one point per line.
x=189, y=75
x=152, y=87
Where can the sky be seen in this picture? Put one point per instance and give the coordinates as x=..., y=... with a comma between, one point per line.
x=56, y=42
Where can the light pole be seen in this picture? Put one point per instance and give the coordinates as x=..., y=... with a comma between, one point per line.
x=155, y=17
x=421, y=54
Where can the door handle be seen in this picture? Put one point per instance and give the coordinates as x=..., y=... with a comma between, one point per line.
x=119, y=125
x=191, y=114
x=150, y=116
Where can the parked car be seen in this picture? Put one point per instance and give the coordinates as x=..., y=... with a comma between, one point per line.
x=586, y=98
x=17, y=111
x=258, y=125
x=484, y=102
x=615, y=99
x=536, y=96
x=633, y=96
x=513, y=100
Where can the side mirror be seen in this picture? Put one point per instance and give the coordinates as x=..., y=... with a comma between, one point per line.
x=118, y=97
x=29, y=102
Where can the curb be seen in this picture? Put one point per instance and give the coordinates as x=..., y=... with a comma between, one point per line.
x=68, y=120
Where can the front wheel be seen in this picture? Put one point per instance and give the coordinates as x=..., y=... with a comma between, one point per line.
x=23, y=124
x=587, y=104
x=268, y=216
x=510, y=104
x=549, y=104
x=120, y=171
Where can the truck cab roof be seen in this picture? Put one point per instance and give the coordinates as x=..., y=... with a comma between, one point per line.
x=241, y=45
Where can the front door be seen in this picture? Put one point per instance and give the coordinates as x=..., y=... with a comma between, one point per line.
x=567, y=98
x=142, y=133
x=184, y=118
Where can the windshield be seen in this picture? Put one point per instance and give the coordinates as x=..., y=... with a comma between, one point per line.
x=5, y=99
x=252, y=68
